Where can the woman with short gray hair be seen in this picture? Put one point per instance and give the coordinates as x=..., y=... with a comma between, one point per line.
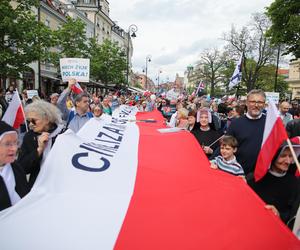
x=45, y=123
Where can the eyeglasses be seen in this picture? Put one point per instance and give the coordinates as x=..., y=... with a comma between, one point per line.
x=9, y=144
x=260, y=103
x=33, y=121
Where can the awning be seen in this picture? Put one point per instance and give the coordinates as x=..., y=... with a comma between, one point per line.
x=134, y=89
x=50, y=77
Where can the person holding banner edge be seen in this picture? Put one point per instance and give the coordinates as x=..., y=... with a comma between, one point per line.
x=13, y=183
x=279, y=188
x=45, y=123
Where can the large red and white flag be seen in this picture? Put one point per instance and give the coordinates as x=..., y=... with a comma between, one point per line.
x=76, y=88
x=14, y=114
x=121, y=184
x=274, y=135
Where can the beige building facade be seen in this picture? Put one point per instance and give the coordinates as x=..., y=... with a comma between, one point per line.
x=294, y=78
x=53, y=13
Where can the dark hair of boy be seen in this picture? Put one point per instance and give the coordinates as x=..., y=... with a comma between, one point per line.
x=229, y=140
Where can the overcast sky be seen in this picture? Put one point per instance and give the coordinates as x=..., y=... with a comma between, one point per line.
x=174, y=32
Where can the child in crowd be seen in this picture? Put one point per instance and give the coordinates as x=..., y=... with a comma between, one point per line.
x=227, y=161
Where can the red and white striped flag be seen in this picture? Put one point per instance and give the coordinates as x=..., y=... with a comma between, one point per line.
x=14, y=114
x=76, y=88
x=274, y=135
x=135, y=188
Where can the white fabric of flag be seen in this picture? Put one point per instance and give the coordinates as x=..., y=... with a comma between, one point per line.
x=237, y=74
x=91, y=173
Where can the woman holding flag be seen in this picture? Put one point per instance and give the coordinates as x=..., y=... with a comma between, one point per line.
x=279, y=188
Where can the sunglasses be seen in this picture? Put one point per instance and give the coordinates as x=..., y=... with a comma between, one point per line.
x=33, y=121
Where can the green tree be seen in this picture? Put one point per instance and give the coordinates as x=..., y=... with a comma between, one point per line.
x=138, y=85
x=266, y=80
x=251, y=41
x=212, y=62
x=285, y=28
x=227, y=72
x=70, y=41
x=23, y=39
x=108, y=62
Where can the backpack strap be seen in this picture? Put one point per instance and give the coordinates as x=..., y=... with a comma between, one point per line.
x=70, y=117
x=72, y=114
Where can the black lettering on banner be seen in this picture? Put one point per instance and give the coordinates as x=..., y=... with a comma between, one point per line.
x=101, y=147
x=119, y=138
x=114, y=130
x=90, y=148
x=120, y=121
x=114, y=142
x=77, y=164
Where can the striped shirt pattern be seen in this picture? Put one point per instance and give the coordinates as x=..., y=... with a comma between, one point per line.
x=232, y=166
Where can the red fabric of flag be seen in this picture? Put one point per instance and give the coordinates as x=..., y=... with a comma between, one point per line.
x=274, y=135
x=14, y=114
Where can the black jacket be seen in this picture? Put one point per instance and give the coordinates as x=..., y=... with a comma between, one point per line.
x=22, y=187
x=28, y=156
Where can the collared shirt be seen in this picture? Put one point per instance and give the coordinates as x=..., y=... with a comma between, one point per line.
x=231, y=166
x=254, y=118
x=78, y=121
x=10, y=182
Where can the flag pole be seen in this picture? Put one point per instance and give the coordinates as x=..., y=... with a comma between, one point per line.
x=216, y=140
x=293, y=154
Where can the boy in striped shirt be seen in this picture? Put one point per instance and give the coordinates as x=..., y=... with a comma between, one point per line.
x=227, y=161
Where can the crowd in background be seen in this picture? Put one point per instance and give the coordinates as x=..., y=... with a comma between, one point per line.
x=229, y=130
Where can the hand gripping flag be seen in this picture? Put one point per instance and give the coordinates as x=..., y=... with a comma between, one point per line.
x=14, y=114
x=237, y=74
x=76, y=88
x=274, y=135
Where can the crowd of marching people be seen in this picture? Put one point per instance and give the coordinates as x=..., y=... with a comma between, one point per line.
x=229, y=131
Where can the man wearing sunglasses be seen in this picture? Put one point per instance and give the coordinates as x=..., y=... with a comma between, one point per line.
x=75, y=119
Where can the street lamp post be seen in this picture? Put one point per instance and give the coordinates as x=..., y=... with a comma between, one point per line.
x=131, y=33
x=148, y=59
x=159, y=71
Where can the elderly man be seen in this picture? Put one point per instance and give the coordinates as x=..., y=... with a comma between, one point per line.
x=249, y=129
x=54, y=98
x=284, y=112
x=75, y=119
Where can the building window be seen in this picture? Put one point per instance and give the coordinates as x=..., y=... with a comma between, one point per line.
x=87, y=1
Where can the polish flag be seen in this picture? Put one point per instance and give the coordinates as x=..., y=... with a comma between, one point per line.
x=14, y=114
x=139, y=189
x=76, y=88
x=274, y=135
